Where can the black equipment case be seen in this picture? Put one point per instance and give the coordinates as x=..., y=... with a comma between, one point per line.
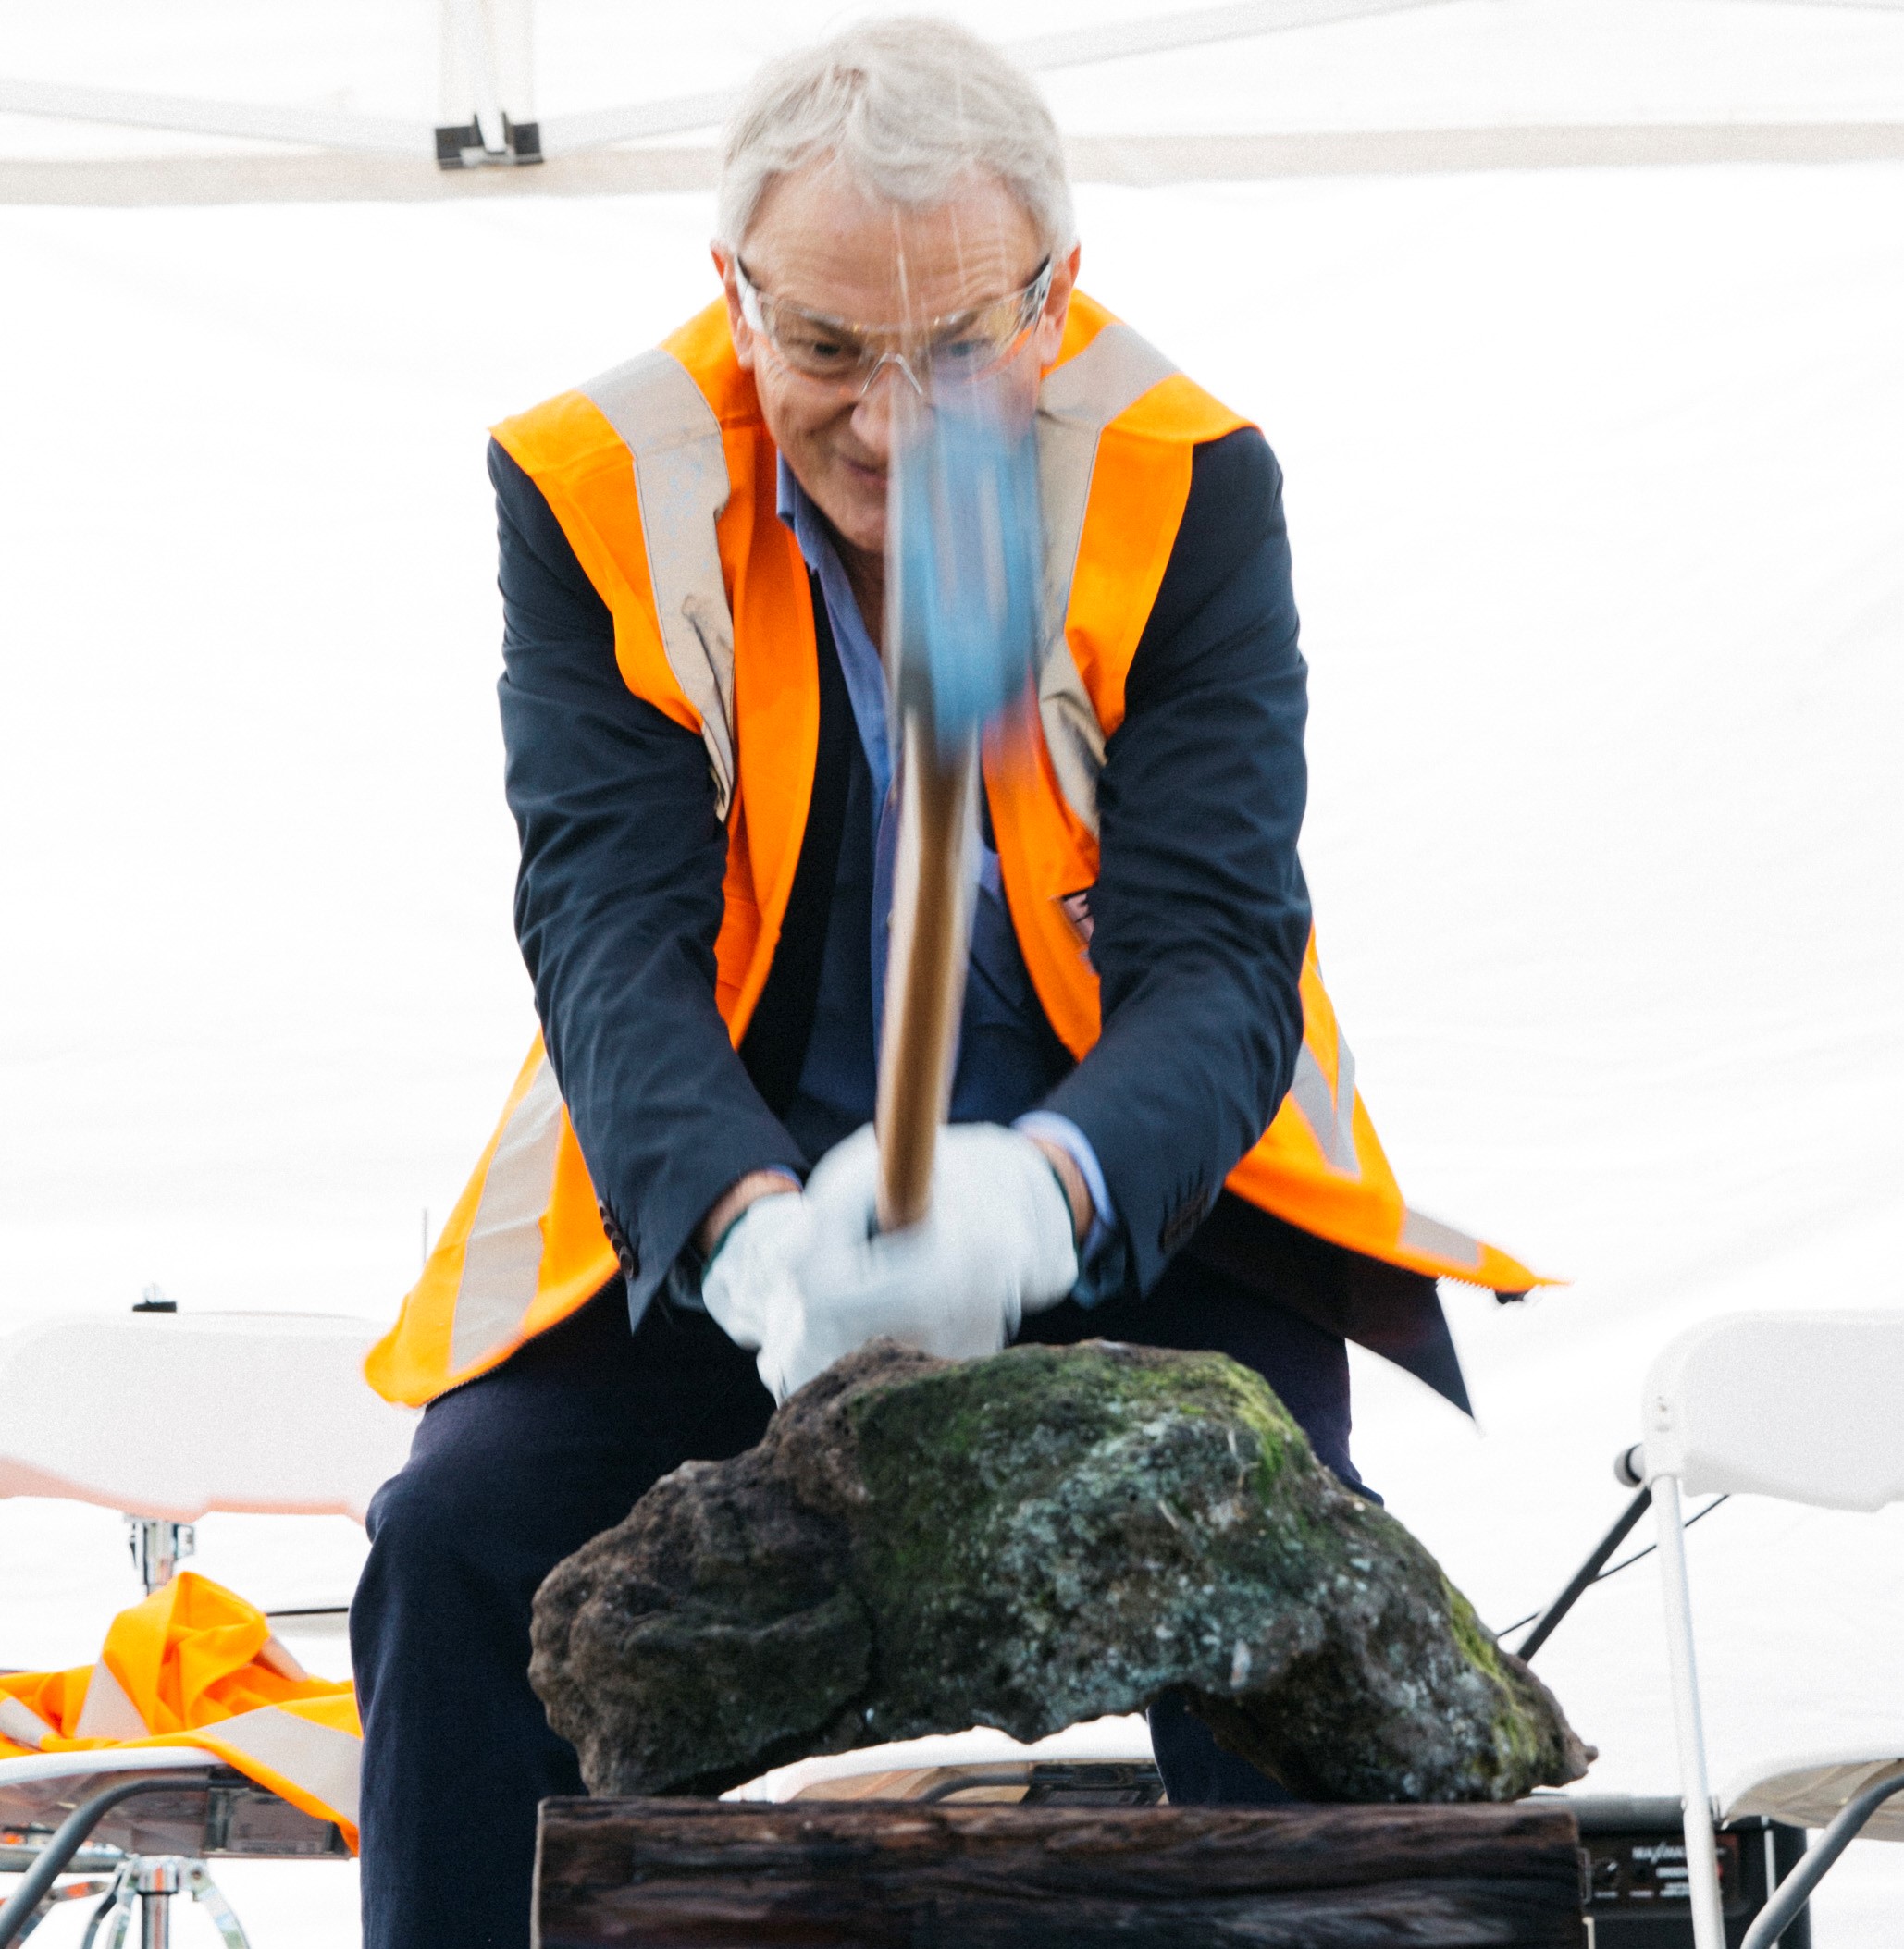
x=1636, y=1872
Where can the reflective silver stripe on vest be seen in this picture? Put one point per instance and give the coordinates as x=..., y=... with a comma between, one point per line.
x=1331, y=1117
x=681, y=483
x=317, y=1759
x=1441, y=1241
x=109, y=1712
x=502, y=1259
x=24, y=1726
x=1077, y=401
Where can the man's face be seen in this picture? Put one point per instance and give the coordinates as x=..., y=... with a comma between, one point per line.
x=818, y=243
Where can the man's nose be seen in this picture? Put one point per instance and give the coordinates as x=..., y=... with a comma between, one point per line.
x=872, y=412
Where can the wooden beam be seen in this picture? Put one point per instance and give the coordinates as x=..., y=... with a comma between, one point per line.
x=897, y=1875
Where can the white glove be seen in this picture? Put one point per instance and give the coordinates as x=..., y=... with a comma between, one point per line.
x=751, y=1278
x=996, y=1243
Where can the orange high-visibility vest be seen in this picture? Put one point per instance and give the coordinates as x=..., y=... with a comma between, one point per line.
x=194, y=1665
x=663, y=477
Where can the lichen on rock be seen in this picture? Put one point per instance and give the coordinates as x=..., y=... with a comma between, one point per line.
x=1025, y=1541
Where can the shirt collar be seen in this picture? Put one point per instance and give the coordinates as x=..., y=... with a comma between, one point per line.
x=860, y=661
x=795, y=507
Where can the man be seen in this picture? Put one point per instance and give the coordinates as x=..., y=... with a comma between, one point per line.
x=670, y=1227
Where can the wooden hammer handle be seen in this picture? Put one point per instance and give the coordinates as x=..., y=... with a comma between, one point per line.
x=925, y=970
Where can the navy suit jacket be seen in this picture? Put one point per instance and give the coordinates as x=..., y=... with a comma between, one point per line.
x=1200, y=913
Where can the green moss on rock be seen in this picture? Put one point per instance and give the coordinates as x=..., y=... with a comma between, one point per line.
x=1044, y=1537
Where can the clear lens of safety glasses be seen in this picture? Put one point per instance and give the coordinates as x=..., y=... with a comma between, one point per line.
x=954, y=348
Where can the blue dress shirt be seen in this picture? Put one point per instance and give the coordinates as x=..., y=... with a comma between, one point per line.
x=1007, y=1056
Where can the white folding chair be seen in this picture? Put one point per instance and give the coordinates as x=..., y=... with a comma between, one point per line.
x=168, y=1416
x=1808, y=1408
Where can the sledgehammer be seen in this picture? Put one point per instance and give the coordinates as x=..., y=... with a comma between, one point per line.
x=964, y=566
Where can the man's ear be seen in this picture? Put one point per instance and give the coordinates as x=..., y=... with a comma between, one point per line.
x=736, y=320
x=1057, y=306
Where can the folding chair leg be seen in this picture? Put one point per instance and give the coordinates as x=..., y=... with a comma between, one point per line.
x=67, y=1841
x=1795, y=1891
x=1701, y=1852
x=112, y=1914
x=206, y=1893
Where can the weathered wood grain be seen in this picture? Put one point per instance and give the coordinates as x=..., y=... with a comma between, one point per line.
x=896, y=1875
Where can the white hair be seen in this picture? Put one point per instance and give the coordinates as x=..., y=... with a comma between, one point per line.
x=910, y=108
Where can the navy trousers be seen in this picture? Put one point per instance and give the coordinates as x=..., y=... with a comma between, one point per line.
x=515, y=1472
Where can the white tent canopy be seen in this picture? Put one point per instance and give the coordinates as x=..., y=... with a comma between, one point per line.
x=353, y=104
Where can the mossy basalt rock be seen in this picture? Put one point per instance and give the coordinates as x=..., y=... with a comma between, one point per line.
x=1042, y=1537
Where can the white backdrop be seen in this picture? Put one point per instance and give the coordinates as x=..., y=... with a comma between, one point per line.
x=1598, y=509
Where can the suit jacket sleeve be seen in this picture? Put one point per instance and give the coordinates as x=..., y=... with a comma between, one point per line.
x=1200, y=915
x=617, y=906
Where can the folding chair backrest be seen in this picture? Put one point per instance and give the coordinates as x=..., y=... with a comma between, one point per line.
x=171, y=1415
x=1805, y=1406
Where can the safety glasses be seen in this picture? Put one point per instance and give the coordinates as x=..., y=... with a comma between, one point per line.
x=959, y=347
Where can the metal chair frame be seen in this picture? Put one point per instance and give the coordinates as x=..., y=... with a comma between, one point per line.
x=1750, y=1438
x=154, y=1880
x=135, y=1870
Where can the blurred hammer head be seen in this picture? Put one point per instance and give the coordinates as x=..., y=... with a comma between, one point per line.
x=965, y=558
